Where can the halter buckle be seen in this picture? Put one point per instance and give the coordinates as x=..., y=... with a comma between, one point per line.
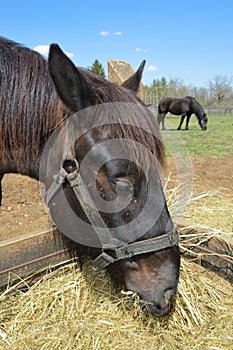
x=102, y=261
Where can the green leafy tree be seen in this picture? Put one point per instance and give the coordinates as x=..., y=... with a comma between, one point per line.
x=156, y=91
x=159, y=86
x=97, y=68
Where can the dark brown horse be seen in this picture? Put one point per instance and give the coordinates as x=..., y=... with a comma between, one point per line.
x=144, y=257
x=182, y=106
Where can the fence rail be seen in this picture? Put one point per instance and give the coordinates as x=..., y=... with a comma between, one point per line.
x=218, y=110
x=34, y=251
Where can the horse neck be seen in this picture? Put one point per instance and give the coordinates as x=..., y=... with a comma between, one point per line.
x=198, y=110
x=26, y=131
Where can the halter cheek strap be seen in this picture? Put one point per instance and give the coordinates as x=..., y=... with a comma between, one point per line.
x=112, y=249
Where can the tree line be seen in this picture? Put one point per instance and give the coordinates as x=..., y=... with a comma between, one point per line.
x=219, y=91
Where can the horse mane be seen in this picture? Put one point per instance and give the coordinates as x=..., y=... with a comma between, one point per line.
x=133, y=121
x=35, y=109
x=197, y=108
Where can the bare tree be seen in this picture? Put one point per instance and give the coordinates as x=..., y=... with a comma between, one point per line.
x=174, y=86
x=220, y=88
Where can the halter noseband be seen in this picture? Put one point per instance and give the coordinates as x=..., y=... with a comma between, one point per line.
x=120, y=250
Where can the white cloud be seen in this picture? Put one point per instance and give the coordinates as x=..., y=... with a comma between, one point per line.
x=44, y=50
x=152, y=68
x=138, y=49
x=104, y=33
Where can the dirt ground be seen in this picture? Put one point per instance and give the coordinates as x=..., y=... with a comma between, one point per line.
x=22, y=210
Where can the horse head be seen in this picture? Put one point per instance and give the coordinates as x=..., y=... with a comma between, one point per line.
x=119, y=161
x=203, y=121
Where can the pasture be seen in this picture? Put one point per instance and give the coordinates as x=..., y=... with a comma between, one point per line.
x=215, y=142
x=68, y=309
x=211, y=155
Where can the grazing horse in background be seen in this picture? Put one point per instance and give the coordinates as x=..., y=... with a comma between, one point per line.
x=182, y=106
x=36, y=98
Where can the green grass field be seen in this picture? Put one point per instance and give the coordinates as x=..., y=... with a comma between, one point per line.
x=188, y=148
x=215, y=142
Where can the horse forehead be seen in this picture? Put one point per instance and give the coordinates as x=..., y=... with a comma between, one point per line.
x=108, y=140
x=102, y=153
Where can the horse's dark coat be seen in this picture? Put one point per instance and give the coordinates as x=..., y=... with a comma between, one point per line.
x=31, y=109
x=182, y=106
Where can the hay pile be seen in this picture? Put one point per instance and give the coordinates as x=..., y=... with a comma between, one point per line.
x=207, y=209
x=68, y=309
x=71, y=310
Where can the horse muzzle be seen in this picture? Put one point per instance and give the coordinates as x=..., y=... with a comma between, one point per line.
x=156, y=309
x=203, y=125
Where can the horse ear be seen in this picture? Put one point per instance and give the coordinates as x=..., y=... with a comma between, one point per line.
x=133, y=82
x=70, y=82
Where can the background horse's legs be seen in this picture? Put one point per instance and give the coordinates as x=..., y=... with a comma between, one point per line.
x=1, y=176
x=187, y=121
x=160, y=118
x=181, y=121
x=163, y=122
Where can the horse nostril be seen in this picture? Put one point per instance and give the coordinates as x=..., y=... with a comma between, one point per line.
x=158, y=310
x=158, y=306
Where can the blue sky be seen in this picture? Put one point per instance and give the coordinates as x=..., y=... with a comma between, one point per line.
x=185, y=39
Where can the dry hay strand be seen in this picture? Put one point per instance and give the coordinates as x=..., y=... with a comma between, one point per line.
x=196, y=235
x=69, y=309
x=211, y=209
